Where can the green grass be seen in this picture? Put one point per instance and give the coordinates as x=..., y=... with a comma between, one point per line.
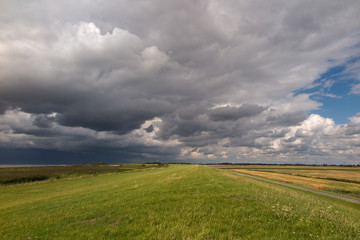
x=10, y=176
x=177, y=202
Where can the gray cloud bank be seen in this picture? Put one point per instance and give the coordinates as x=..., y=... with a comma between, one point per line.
x=176, y=80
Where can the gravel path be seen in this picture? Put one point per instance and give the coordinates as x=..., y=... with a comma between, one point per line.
x=302, y=188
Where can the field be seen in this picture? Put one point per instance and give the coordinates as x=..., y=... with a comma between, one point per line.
x=174, y=202
x=340, y=180
x=34, y=174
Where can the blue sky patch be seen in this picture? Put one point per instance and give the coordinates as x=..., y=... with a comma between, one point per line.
x=333, y=90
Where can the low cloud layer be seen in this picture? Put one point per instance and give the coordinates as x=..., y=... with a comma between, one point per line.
x=195, y=81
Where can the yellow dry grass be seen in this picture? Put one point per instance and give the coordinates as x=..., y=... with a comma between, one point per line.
x=333, y=174
x=312, y=179
x=311, y=183
x=351, y=174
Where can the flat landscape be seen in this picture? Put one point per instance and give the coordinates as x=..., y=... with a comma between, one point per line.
x=171, y=202
x=340, y=180
x=16, y=175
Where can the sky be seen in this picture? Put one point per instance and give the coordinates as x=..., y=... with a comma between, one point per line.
x=180, y=81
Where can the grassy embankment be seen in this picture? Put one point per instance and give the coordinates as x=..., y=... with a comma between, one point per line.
x=177, y=202
x=9, y=176
x=340, y=180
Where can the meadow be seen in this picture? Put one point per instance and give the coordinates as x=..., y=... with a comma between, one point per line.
x=17, y=175
x=339, y=180
x=174, y=202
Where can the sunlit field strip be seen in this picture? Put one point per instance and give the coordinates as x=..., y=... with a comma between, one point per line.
x=292, y=167
x=353, y=176
x=345, y=188
x=340, y=173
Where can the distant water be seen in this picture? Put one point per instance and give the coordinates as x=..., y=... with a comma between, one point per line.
x=23, y=165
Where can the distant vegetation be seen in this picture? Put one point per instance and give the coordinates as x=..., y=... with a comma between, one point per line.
x=31, y=174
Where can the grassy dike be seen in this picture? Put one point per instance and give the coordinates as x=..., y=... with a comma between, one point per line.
x=177, y=202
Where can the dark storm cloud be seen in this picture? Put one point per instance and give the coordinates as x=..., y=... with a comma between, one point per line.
x=111, y=117
x=149, y=77
x=234, y=113
x=173, y=125
x=3, y=107
x=286, y=119
x=95, y=87
x=43, y=121
x=149, y=129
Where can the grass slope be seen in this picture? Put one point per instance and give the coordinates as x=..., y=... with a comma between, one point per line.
x=177, y=202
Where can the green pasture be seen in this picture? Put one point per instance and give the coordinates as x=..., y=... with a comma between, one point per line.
x=175, y=202
x=18, y=175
